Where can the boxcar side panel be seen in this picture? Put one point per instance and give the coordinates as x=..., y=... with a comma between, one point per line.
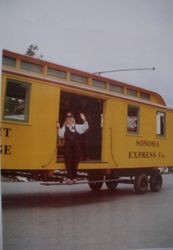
x=137, y=149
x=36, y=140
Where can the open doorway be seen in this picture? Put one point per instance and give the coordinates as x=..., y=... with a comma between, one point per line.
x=91, y=140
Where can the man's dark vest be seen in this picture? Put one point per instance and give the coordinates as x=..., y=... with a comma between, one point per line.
x=69, y=135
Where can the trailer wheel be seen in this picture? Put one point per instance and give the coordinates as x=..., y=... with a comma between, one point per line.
x=111, y=185
x=95, y=183
x=156, y=182
x=141, y=184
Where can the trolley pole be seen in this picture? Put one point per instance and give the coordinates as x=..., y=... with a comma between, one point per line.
x=121, y=70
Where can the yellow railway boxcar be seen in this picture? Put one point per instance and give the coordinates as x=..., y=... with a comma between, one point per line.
x=130, y=132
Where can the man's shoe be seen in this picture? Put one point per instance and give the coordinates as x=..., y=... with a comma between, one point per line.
x=74, y=181
x=69, y=181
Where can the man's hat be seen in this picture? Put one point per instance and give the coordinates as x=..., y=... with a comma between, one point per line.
x=69, y=114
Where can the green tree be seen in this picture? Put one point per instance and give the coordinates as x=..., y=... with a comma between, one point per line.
x=32, y=51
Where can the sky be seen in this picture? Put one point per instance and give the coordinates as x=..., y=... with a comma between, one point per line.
x=97, y=35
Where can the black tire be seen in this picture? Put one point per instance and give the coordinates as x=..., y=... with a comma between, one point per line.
x=111, y=185
x=141, y=184
x=156, y=182
x=95, y=182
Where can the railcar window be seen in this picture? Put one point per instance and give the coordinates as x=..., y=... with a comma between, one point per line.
x=78, y=78
x=116, y=88
x=8, y=61
x=145, y=96
x=16, y=106
x=133, y=119
x=31, y=67
x=99, y=84
x=160, y=123
x=57, y=73
x=132, y=92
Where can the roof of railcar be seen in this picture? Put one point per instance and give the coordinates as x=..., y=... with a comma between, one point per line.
x=156, y=96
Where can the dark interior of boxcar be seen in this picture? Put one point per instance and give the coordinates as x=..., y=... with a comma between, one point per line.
x=93, y=110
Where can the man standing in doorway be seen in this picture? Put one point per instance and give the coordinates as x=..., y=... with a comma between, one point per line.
x=71, y=132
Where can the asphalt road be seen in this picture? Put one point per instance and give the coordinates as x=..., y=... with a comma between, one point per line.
x=37, y=217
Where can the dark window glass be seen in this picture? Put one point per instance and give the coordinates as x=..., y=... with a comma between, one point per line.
x=78, y=78
x=57, y=73
x=9, y=61
x=160, y=123
x=133, y=119
x=16, y=106
x=31, y=67
x=145, y=96
x=99, y=84
x=116, y=88
x=131, y=92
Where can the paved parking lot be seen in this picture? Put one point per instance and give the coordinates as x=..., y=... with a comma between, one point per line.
x=74, y=218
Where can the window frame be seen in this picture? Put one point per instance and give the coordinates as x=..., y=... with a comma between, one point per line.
x=56, y=73
x=99, y=84
x=79, y=78
x=132, y=92
x=26, y=102
x=131, y=131
x=145, y=96
x=116, y=88
x=9, y=61
x=31, y=67
x=160, y=134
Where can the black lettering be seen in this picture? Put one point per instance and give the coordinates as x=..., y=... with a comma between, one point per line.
x=141, y=155
x=150, y=154
x=161, y=155
x=7, y=149
x=154, y=154
x=145, y=143
x=130, y=154
x=7, y=132
x=145, y=155
x=135, y=154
